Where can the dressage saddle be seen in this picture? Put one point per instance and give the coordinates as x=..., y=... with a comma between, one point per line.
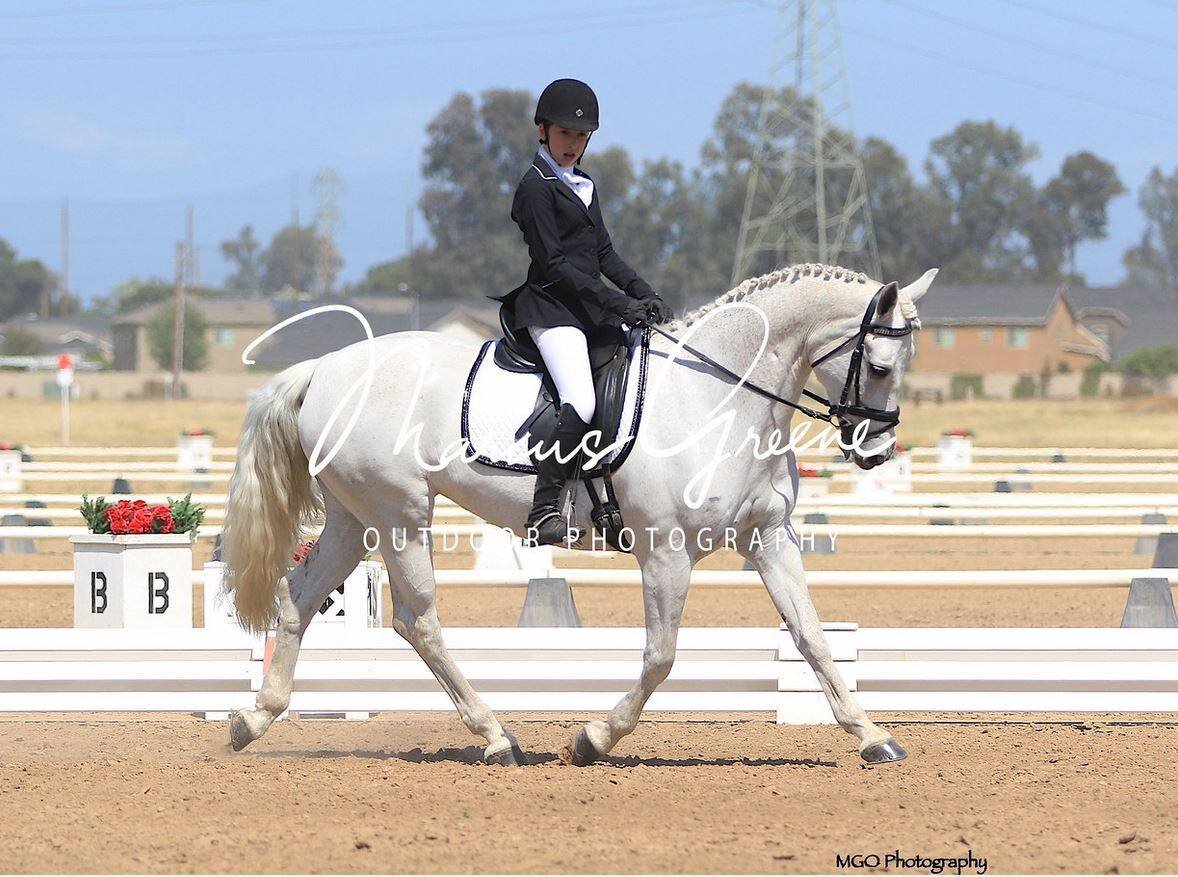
x=609, y=362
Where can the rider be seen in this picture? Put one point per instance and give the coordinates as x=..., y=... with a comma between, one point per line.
x=564, y=302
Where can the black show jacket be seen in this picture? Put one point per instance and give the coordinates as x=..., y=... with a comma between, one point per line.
x=570, y=250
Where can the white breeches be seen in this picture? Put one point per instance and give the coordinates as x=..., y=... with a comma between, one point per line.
x=566, y=356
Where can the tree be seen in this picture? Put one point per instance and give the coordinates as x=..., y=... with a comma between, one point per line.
x=22, y=283
x=135, y=293
x=292, y=257
x=384, y=278
x=19, y=341
x=905, y=216
x=1077, y=199
x=1154, y=262
x=244, y=252
x=474, y=157
x=979, y=185
x=161, y=335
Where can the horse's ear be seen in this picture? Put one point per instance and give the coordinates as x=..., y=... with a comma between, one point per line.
x=887, y=300
x=919, y=287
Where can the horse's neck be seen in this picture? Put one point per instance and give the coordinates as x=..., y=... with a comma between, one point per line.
x=733, y=336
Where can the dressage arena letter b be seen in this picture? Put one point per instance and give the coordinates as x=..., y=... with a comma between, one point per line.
x=97, y=592
x=154, y=592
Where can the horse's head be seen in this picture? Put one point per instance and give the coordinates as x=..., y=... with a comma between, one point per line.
x=861, y=366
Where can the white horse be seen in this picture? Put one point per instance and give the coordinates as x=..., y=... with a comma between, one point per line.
x=803, y=316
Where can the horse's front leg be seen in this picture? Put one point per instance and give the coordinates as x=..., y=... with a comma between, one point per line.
x=666, y=576
x=777, y=556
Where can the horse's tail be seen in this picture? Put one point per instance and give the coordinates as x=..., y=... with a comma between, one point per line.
x=271, y=497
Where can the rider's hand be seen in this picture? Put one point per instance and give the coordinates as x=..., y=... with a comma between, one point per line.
x=634, y=313
x=658, y=310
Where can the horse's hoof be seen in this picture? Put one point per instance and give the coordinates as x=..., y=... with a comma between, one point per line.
x=581, y=753
x=509, y=756
x=884, y=752
x=240, y=733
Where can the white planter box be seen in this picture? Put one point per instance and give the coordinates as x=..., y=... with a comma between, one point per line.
x=355, y=603
x=194, y=451
x=955, y=451
x=10, y=479
x=894, y=476
x=133, y=581
x=810, y=487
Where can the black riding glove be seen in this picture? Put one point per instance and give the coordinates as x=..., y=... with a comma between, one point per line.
x=634, y=313
x=658, y=310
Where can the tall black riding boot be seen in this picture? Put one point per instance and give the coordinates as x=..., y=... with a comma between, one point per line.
x=545, y=525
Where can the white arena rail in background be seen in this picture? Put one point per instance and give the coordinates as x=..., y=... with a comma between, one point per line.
x=721, y=578
x=753, y=670
x=839, y=531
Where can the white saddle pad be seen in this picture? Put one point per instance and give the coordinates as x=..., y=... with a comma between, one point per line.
x=497, y=401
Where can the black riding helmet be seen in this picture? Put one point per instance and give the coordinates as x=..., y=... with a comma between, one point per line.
x=569, y=103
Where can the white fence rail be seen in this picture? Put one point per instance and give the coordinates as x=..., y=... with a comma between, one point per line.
x=723, y=578
x=587, y=669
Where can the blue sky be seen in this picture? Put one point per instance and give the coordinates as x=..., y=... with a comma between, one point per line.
x=134, y=108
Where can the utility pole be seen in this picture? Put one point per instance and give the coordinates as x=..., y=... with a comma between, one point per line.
x=178, y=320
x=410, y=285
x=327, y=216
x=192, y=269
x=64, y=279
x=807, y=193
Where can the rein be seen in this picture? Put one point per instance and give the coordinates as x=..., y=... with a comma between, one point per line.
x=835, y=413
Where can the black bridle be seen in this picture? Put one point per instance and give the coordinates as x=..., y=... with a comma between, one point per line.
x=836, y=414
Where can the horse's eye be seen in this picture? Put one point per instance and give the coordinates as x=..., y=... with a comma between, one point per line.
x=878, y=370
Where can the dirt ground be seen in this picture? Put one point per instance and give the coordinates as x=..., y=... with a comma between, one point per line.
x=406, y=794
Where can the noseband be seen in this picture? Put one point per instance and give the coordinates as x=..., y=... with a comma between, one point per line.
x=888, y=417
x=835, y=414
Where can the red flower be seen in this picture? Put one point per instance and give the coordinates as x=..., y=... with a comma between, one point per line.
x=303, y=550
x=807, y=472
x=132, y=517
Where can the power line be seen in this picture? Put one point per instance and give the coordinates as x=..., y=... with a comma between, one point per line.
x=1003, y=74
x=402, y=29
x=452, y=34
x=63, y=11
x=1103, y=27
x=1032, y=44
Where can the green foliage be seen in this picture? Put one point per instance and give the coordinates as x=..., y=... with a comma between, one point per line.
x=383, y=278
x=1152, y=362
x=1024, y=387
x=186, y=515
x=19, y=341
x=94, y=512
x=293, y=257
x=130, y=295
x=161, y=337
x=22, y=282
x=1077, y=200
x=1154, y=262
x=244, y=252
x=1090, y=383
x=965, y=386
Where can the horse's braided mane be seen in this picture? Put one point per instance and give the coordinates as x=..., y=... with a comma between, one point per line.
x=785, y=275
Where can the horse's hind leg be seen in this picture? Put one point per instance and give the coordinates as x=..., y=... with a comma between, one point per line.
x=415, y=617
x=300, y=594
x=777, y=556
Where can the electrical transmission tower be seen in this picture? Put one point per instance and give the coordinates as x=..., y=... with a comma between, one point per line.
x=326, y=184
x=807, y=194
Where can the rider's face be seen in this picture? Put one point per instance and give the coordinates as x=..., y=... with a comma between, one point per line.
x=565, y=144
